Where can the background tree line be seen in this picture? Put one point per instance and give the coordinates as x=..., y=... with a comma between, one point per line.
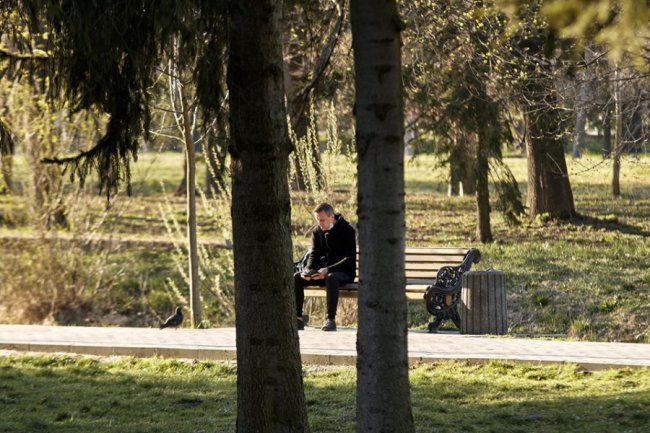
x=476, y=85
x=472, y=76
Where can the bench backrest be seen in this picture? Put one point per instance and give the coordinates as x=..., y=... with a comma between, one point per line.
x=424, y=263
x=421, y=265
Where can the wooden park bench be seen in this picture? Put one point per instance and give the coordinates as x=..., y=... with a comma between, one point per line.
x=434, y=274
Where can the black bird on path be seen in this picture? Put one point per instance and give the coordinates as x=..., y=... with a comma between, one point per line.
x=174, y=320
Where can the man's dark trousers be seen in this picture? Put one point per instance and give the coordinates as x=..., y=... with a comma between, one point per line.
x=332, y=283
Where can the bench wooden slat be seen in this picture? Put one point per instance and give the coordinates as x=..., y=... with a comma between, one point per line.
x=415, y=288
x=420, y=274
x=420, y=281
x=409, y=280
x=414, y=258
x=347, y=293
x=432, y=267
x=432, y=263
x=414, y=255
x=437, y=251
x=434, y=251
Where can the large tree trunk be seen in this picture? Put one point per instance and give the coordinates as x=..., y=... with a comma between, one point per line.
x=383, y=396
x=483, y=227
x=549, y=189
x=270, y=397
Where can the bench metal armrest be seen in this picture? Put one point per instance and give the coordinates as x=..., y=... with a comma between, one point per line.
x=442, y=297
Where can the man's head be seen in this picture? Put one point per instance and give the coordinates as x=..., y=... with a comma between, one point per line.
x=325, y=216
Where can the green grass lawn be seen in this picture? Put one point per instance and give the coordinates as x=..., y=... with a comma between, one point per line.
x=588, y=278
x=56, y=393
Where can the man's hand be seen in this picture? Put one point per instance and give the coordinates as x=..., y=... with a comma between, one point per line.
x=320, y=275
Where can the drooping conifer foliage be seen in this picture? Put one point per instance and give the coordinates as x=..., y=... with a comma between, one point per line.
x=105, y=55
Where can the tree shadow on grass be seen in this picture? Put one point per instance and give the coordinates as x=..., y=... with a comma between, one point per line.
x=96, y=398
x=613, y=226
x=81, y=395
x=462, y=408
x=501, y=397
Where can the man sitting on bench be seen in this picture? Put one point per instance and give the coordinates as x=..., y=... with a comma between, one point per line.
x=331, y=263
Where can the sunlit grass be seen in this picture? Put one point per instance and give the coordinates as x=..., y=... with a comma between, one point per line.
x=82, y=394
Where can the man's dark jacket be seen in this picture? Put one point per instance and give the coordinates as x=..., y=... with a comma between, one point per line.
x=334, y=249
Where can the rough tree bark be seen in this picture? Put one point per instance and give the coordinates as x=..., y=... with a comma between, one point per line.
x=270, y=397
x=549, y=189
x=383, y=397
x=483, y=227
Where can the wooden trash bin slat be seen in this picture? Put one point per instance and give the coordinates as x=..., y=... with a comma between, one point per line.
x=483, y=306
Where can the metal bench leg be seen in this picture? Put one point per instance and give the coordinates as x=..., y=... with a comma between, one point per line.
x=455, y=317
x=433, y=326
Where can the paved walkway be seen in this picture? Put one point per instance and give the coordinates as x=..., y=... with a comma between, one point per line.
x=317, y=347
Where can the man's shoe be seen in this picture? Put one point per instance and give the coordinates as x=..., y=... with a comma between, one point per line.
x=303, y=322
x=329, y=325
